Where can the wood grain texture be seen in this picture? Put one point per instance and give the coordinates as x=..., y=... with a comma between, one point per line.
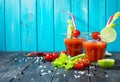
x=60, y=22
x=2, y=30
x=79, y=8
x=21, y=68
x=96, y=15
x=45, y=20
x=39, y=24
x=28, y=25
x=12, y=25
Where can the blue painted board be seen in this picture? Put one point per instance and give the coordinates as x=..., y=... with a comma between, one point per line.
x=116, y=45
x=110, y=10
x=96, y=15
x=12, y=25
x=60, y=22
x=37, y=25
x=45, y=22
x=28, y=25
x=79, y=8
x=2, y=31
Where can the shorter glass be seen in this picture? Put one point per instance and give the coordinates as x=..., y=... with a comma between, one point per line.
x=74, y=46
x=94, y=50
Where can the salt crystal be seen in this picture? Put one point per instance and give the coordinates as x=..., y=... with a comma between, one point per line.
x=32, y=79
x=106, y=75
x=81, y=72
x=78, y=76
x=22, y=58
x=2, y=66
x=64, y=75
x=49, y=71
x=43, y=73
x=75, y=76
x=57, y=73
x=28, y=57
x=15, y=58
x=42, y=70
x=37, y=60
x=44, y=66
x=75, y=71
x=25, y=60
x=40, y=66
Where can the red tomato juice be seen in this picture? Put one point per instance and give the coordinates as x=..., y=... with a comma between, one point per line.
x=94, y=50
x=74, y=46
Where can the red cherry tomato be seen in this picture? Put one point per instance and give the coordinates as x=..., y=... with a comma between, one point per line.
x=86, y=62
x=95, y=35
x=78, y=65
x=55, y=55
x=76, y=33
x=49, y=57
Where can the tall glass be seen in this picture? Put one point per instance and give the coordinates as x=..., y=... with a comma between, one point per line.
x=94, y=50
x=74, y=46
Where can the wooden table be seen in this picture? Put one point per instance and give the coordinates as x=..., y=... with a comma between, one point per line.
x=16, y=67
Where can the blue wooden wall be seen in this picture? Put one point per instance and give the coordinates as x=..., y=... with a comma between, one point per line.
x=37, y=25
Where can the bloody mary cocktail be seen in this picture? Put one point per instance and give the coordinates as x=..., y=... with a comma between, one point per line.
x=73, y=46
x=94, y=50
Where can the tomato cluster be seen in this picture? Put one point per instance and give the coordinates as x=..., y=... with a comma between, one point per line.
x=51, y=56
x=80, y=64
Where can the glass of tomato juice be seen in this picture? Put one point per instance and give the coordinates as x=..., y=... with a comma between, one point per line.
x=94, y=50
x=74, y=46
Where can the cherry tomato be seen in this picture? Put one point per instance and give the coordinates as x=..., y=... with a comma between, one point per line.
x=49, y=57
x=78, y=65
x=86, y=62
x=55, y=55
x=76, y=33
x=95, y=35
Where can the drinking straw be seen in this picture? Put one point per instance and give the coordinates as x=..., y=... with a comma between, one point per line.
x=73, y=19
x=109, y=20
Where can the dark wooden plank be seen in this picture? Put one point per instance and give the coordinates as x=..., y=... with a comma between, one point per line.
x=37, y=72
x=10, y=70
x=99, y=74
x=7, y=56
x=63, y=75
